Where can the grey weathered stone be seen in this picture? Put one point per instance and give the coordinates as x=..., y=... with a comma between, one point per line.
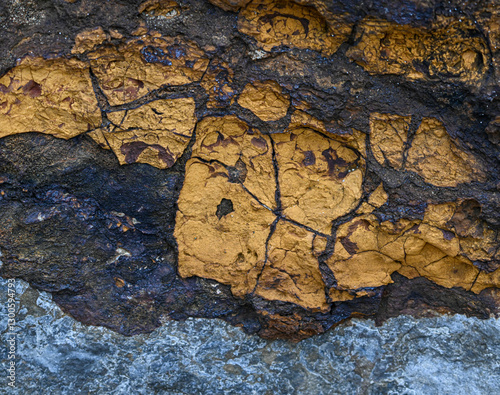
x=441, y=355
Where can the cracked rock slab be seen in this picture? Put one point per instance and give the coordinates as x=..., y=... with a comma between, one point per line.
x=156, y=133
x=280, y=165
x=132, y=69
x=48, y=96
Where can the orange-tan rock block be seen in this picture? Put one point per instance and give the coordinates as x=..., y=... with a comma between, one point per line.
x=438, y=159
x=367, y=252
x=320, y=178
x=285, y=23
x=388, y=137
x=453, y=52
x=132, y=69
x=228, y=203
x=364, y=270
x=376, y=199
x=224, y=216
x=221, y=230
x=265, y=99
x=48, y=96
x=88, y=39
x=291, y=273
x=247, y=154
x=156, y=133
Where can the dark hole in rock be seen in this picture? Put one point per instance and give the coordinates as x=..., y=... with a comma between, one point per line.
x=224, y=208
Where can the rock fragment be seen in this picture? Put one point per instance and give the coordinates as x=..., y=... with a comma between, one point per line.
x=438, y=159
x=132, y=69
x=454, y=52
x=52, y=96
x=388, y=137
x=277, y=24
x=265, y=99
x=320, y=178
x=156, y=133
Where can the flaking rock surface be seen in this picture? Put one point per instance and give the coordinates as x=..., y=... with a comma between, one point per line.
x=280, y=165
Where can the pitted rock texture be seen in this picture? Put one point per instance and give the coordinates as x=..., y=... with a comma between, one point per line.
x=454, y=50
x=280, y=165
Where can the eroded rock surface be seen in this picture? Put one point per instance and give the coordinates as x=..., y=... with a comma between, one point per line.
x=280, y=165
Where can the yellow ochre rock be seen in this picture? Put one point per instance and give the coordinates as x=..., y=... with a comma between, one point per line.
x=156, y=133
x=291, y=273
x=388, y=136
x=438, y=159
x=227, y=208
x=320, y=178
x=264, y=99
x=225, y=216
x=132, y=69
x=367, y=252
x=221, y=230
x=454, y=52
x=48, y=96
x=89, y=39
x=285, y=23
x=246, y=152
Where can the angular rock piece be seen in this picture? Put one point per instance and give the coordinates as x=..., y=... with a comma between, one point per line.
x=388, y=136
x=132, y=69
x=435, y=157
x=229, y=249
x=230, y=162
x=48, y=96
x=156, y=133
x=285, y=23
x=264, y=99
x=455, y=52
x=364, y=270
x=89, y=39
x=245, y=152
x=229, y=228
x=291, y=273
x=367, y=252
x=320, y=178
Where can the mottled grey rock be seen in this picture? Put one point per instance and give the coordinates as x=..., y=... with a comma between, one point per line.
x=58, y=355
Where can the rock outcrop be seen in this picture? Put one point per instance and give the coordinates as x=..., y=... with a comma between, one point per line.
x=280, y=165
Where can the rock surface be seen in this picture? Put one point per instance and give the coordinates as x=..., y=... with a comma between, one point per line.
x=281, y=165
